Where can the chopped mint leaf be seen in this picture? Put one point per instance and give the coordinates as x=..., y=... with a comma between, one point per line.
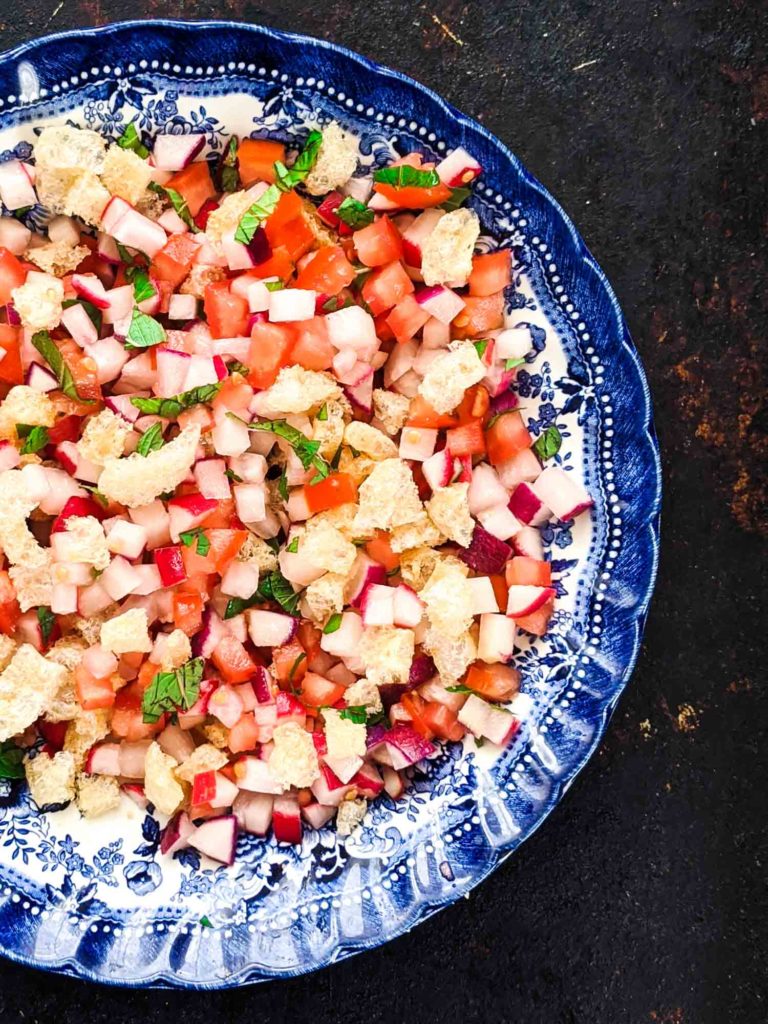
x=323, y=413
x=172, y=691
x=151, y=440
x=354, y=213
x=35, y=439
x=332, y=624
x=11, y=761
x=304, y=448
x=130, y=139
x=169, y=408
x=511, y=364
x=293, y=547
x=188, y=538
x=142, y=287
x=145, y=331
x=256, y=214
x=302, y=165
x=548, y=444
x=457, y=198
x=404, y=176
x=47, y=620
x=50, y=352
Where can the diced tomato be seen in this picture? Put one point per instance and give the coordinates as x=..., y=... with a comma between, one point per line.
x=187, y=612
x=491, y=273
x=442, y=721
x=412, y=197
x=406, y=319
x=83, y=370
x=296, y=237
x=289, y=664
x=12, y=275
x=194, y=184
x=380, y=550
x=387, y=287
x=223, y=546
x=311, y=347
x=9, y=606
x=506, y=436
x=279, y=265
x=336, y=489
x=378, y=243
x=467, y=439
x=415, y=706
x=496, y=682
x=11, y=370
x=474, y=405
x=327, y=272
x=500, y=589
x=66, y=428
x=384, y=332
x=528, y=572
x=227, y=313
x=289, y=207
x=480, y=315
x=234, y=394
x=421, y=414
x=53, y=733
x=232, y=660
x=205, y=211
x=269, y=352
x=319, y=692
x=537, y=622
x=309, y=637
x=244, y=734
x=223, y=516
x=127, y=720
x=256, y=160
x=175, y=259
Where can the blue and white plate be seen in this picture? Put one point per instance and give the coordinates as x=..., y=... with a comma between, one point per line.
x=95, y=899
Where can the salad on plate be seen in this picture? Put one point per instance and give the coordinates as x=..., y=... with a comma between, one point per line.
x=269, y=508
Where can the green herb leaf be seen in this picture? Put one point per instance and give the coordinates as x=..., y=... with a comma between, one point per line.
x=511, y=364
x=172, y=691
x=358, y=715
x=94, y=314
x=151, y=440
x=169, y=408
x=332, y=624
x=51, y=354
x=481, y=346
x=11, y=761
x=229, y=177
x=144, y=331
x=178, y=202
x=457, y=198
x=479, y=741
x=461, y=688
x=336, y=302
x=237, y=367
x=255, y=215
x=293, y=547
x=274, y=286
x=405, y=176
x=282, y=486
x=237, y=605
x=142, y=287
x=548, y=444
x=130, y=139
x=188, y=538
x=230, y=474
x=47, y=620
x=292, y=672
x=277, y=587
x=96, y=494
x=322, y=415
x=36, y=439
x=302, y=165
x=354, y=213
x=205, y=922
x=304, y=448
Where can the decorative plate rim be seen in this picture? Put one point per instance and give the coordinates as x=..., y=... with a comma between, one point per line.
x=645, y=440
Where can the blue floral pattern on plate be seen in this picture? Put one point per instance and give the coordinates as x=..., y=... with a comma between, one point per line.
x=95, y=899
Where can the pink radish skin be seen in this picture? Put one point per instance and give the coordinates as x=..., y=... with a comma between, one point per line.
x=365, y=572
x=16, y=189
x=438, y=469
x=418, y=232
x=525, y=600
x=41, y=379
x=440, y=302
x=564, y=495
x=489, y=722
x=417, y=444
x=135, y=792
x=270, y=629
x=175, y=152
x=175, y=835
x=486, y=489
x=286, y=820
x=528, y=542
x=406, y=747
x=408, y=608
x=378, y=605
x=253, y=812
x=90, y=288
x=316, y=815
x=525, y=505
x=458, y=168
x=500, y=522
x=103, y=759
x=329, y=790
x=216, y=838
x=496, y=641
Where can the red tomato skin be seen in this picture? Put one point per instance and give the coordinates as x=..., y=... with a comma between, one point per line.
x=378, y=243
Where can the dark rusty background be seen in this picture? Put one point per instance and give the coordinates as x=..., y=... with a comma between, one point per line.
x=643, y=898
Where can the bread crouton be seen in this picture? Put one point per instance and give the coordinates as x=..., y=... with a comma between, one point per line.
x=448, y=598
x=72, y=192
x=200, y=276
x=67, y=652
x=364, y=694
x=23, y=404
x=341, y=518
x=297, y=390
x=16, y=540
x=103, y=437
x=90, y=628
x=326, y=548
x=422, y=532
x=171, y=650
x=349, y=815
x=27, y=686
x=160, y=785
x=369, y=441
x=359, y=467
x=448, y=508
x=452, y=655
x=389, y=497
x=7, y=650
x=62, y=146
x=293, y=761
x=446, y=255
x=137, y=479
x=344, y=737
x=386, y=653
x=205, y=758
x=391, y=410
x=336, y=161
x=256, y=550
x=82, y=732
x=125, y=174
x=417, y=565
x=85, y=542
x=33, y=583
x=449, y=376
x=57, y=258
x=217, y=734
x=324, y=597
x=39, y=301
x=51, y=780
x=225, y=219
x=97, y=794
x=127, y=633
x=329, y=431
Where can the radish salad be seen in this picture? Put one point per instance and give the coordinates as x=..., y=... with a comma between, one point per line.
x=269, y=508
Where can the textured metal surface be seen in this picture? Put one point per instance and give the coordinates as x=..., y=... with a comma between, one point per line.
x=643, y=898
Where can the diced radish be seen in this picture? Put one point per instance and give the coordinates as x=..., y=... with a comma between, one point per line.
x=270, y=629
x=119, y=305
x=172, y=367
x=316, y=815
x=253, y=812
x=483, y=596
x=230, y=437
x=211, y=787
x=433, y=690
x=139, y=232
x=286, y=820
x=107, y=250
x=435, y=335
x=485, y=490
x=41, y=379
x=512, y=343
x=99, y=662
x=345, y=641
x=352, y=328
x=149, y=579
x=344, y=768
x=201, y=370
x=175, y=835
x=415, y=236
x=171, y=222
x=103, y=759
x=132, y=758
x=378, y=605
x=155, y=520
x=458, y=168
x=211, y=478
x=187, y=512
x=119, y=578
x=174, y=741
x=361, y=396
x=408, y=607
x=406, y=747
x=250, y=467
x=525, y=600
x=440, y=302
x=562, y=493
x=240, y=580
x=329, y=790
x=92, y=600
x=364, y=572
x=400, y=361
x=16, y=190
x=368, y=782
x=500, y=522
x=484, y=720
x=393, y=783
x=127, y=539
x=526, y=506
x=417, y=444
x=438, y=469
x=90, y=288
x=135, y=791
x=182, y=307
x=175, y=152
x=528, y=542
x=9, y=456
x=14, y=236
x=291, y=304
x=496, y=640
x=216, y=838
x=262, y=686
x=123, y=406
x=522, y=467
x=109, y=356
